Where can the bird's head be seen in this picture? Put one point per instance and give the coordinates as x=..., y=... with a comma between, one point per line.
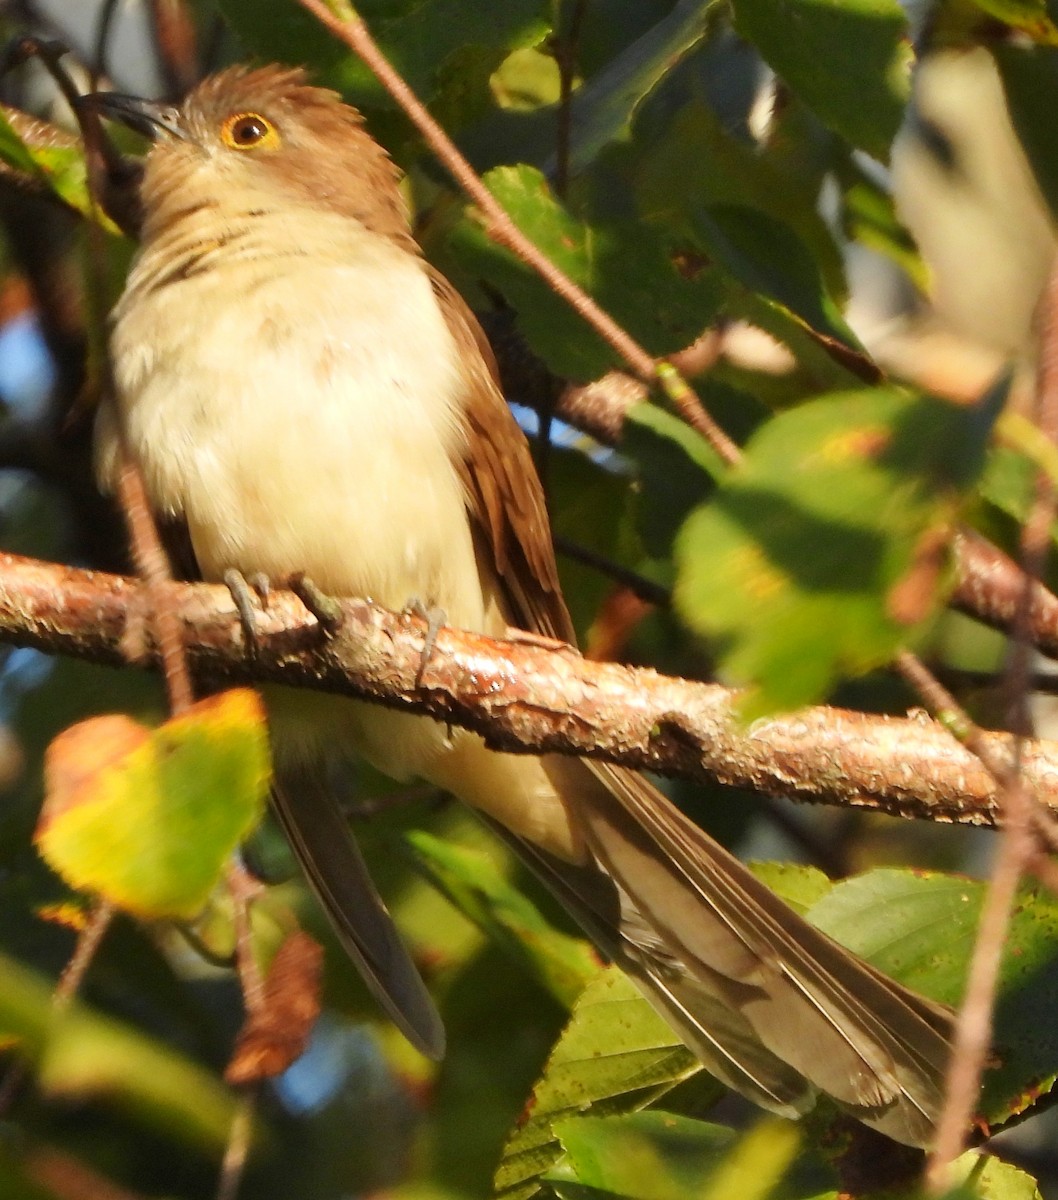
x=261, y=138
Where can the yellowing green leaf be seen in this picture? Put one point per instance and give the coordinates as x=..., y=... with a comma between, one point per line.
x=148, y=818
x=824, y=551
x=616, y=1055
x=472, y=883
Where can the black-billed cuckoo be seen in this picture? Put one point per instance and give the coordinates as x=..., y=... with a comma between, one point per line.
x=305, y=393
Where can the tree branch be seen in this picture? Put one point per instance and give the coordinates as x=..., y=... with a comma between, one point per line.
x=524, y=696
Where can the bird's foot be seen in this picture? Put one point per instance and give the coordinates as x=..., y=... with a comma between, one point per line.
x=435, y=617
x=247, y=595
x=326, y=609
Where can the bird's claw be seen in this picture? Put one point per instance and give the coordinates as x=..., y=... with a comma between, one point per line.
x=326, y=609
x=435, y=617
x=246, y=594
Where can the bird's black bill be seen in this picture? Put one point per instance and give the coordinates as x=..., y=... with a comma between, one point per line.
x=148, y=117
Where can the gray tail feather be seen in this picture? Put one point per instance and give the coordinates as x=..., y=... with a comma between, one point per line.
x=325, y=847
x=771, y=1005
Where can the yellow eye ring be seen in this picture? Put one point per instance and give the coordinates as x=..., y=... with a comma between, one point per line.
x=249, y=131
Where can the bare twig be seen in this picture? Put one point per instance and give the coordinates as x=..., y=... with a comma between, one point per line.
x=240, y=1138
x=65, y=1177
x=99, y=920
x=564, y=48
x=153, y=565
x=1020, y=842
x=175, y=43
x=639, y=585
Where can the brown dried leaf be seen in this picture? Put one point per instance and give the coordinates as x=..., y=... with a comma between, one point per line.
x=276, y=1034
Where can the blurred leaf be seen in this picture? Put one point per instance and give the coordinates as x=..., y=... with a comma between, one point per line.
x=848, y=60
x=920, y=928
x=14, y=1181
x=650, y=1155
x=677, y=468
x=1009, y=482
x=1031, y=17
x=278, y=31
x=81, y=1055
x=62, y=167
x=623, y=266
x=662, y=1156
x=824, y=551
x=148, y=819
x=697, y=164
x=1030, y=81
x=501, y=1027
x=470, y=881
x=1019, y=453
x=787, y=294
x=616, y=1055
x=590, y=501
x=445, y=50
x=604, y=107
x=988, y=1178
x=527, y=79
x=869, y=217
x=799, y=885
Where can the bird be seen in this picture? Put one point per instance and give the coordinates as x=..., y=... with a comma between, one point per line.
x=305, y=393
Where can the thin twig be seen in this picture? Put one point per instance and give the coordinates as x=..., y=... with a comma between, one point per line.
x=504, y=232
x=89, y=939
x=639, y=585
x=1020, y=838
x=973, y=1028
x=152, y=565
x=564, y=47
x=243, y=889
x=237, y=1151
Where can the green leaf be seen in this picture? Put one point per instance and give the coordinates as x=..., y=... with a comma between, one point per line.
x=920, y=928
x=662, y=1156
x=848, y=60
x=1031, y=17
x=799, y=885
x=148, y=819
x=697, y=163
x=824, y=551
x=869, y=217
x=443, y=49
x=677, y=468
x=589, y=502
x=616, y=1055
x=447, y=52
x=652, y=1155
x=979, y=1175
x=1030, y=82
x=623, y=265
x=786, y=292
x=469, y=880
x=603, y=109
x=604, y=106
x=62, y=167
x=80, y=1055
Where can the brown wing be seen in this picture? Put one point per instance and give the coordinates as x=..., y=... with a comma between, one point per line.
x=504, y=497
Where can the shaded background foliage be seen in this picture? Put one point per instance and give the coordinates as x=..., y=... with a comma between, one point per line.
x=716, y=176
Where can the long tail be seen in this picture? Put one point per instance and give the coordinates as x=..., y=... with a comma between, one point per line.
x=770, y=1005
x=321, y=839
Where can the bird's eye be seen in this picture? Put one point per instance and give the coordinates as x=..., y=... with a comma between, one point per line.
x=248, y=130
